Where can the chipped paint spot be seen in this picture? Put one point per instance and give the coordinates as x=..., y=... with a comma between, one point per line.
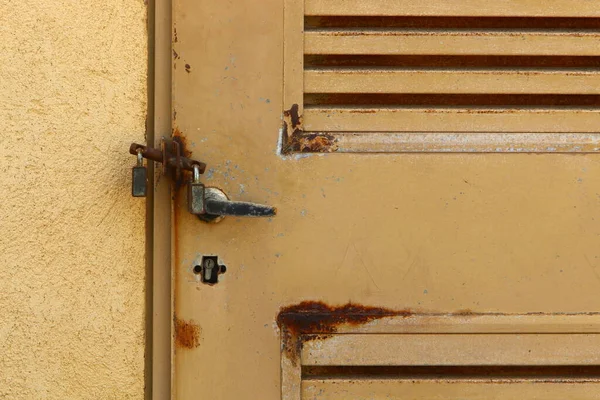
x=187, y=334
x=294, y=139
x=313, y=143
x=292, y=123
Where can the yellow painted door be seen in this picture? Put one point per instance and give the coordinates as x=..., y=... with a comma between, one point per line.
x=415, y=254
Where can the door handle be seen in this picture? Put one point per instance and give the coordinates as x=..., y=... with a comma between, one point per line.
x=210, y=204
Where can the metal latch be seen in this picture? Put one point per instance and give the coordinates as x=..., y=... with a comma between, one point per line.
x=208, y=203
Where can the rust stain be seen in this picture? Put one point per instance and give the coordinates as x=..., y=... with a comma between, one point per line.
x=188, y=68
x=179, y=213
x=175, y=40
x=313, y=143
x=296, y=140
x=187, y=334
x=295, y=120
x=181, y=138
x=317, y=320
x=292, y=126
x=465, y=313
x=364, y=111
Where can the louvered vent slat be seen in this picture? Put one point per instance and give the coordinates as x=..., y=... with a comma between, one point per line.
x=449, y=81
x=475, y=42
x=464, y=120
x=471, y=68
x=481, y=8
x=390, y=388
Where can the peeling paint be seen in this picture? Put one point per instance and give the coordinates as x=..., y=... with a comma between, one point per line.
x=313, y=143
x=294, y=139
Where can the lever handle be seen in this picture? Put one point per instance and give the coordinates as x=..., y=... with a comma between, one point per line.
x=216, y=205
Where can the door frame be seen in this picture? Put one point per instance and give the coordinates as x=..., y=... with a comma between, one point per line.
x=159, y=324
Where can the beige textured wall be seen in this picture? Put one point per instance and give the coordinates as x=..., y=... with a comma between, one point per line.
x=72, y=98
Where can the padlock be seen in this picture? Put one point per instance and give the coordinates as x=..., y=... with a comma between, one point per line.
x=196, y=193
x=139, y=177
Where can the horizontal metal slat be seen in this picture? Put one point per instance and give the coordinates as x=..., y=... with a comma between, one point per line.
x=451, y=81
x=486, y=8
x=451, y=43
x=358, y=389
x=451, y=120
x=480, y=142
x=448, y=349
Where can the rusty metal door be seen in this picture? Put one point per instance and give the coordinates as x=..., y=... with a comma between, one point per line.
x=414, y=254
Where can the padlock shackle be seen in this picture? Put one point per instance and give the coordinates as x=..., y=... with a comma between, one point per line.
x=196, y=169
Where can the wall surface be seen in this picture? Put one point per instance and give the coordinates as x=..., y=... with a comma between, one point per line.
x=72, y=98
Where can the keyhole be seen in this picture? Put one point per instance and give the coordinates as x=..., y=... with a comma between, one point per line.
x=209, y=270
x=209, y=265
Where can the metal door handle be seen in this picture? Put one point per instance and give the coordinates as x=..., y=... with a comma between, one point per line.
x=212, y=204
x=217, y=205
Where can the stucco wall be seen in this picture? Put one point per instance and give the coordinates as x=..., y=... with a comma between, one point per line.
x=72, y=98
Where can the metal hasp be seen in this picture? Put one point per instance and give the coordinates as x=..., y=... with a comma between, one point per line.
x=170, y=155
x=208, y=203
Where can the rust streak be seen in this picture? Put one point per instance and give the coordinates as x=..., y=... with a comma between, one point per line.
x=187, y=334
x=316, y=320
x=182, y=139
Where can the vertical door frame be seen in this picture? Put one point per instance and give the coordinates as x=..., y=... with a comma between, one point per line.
x=160, y=306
